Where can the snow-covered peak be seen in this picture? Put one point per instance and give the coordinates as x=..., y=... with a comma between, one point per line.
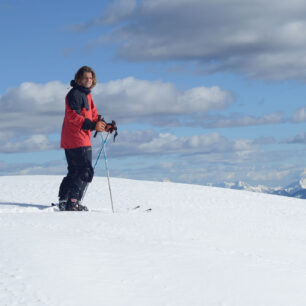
x=303, y=182
x=296, y=189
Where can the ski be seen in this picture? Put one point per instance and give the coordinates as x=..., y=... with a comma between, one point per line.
x=136, y=208
x=127, y=210
x=55, y=205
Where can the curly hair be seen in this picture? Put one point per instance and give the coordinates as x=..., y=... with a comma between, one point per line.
x=79, y=75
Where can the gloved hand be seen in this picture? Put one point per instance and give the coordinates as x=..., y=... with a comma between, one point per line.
x=100, y=126
x=110, y=127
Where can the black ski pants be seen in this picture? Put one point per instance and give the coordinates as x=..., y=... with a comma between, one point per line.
x=80, y=173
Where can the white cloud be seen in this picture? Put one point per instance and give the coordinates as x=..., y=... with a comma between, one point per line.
x=236, y=120
x=299, y=115
x=199, y=159
x=272, y=175
x=158, y=144
x=20, y=168
x=257, y=38
x=300, y=138
x=39, y=108
x=118, y=10
x=35, y=97
x=130, y=99
x=4, y=136
x=253, y=166
x=33, y=108
x=31, y=144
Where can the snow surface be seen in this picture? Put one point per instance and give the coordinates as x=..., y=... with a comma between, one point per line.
x=199, y=246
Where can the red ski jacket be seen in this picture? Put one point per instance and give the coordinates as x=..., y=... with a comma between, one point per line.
x=80, y=118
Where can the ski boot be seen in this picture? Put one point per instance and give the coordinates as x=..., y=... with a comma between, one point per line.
x=62, y=205
x=74, y=205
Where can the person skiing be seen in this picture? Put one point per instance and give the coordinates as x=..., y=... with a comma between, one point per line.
x=81, y=118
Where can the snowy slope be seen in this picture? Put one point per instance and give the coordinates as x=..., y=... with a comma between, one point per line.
x=199, y=246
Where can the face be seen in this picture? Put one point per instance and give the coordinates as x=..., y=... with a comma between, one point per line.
x=86, y=80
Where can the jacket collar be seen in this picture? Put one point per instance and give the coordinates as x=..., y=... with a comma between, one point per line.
x=81, y=88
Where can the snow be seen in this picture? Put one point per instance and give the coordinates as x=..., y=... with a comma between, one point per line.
x=303, y=182
x=198, y=246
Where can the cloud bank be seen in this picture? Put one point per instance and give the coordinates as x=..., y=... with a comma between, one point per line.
x=260, y=39
x=149, y=142
x=39, y=108
x=31, y=112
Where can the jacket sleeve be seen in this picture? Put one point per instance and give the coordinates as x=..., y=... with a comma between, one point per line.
x=88, y=125
x=91, y=124
x=73, y=111
x=94, y=112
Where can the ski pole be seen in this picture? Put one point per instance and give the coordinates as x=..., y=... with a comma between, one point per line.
x=94, y=168
x=111, y=127
x=103, y=142
x=107, y=171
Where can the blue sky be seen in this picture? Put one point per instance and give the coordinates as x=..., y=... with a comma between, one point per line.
x=202, y=91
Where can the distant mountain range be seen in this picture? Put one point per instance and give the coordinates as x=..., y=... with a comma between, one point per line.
x=296, y=189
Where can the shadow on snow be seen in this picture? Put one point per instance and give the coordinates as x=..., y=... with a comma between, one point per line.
x=24, y=205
